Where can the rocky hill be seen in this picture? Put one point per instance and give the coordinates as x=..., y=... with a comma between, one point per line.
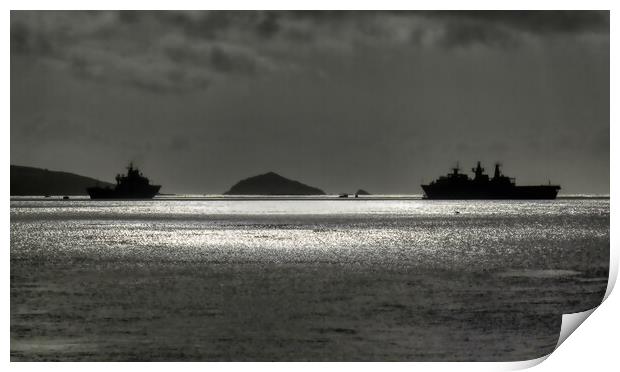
x=37, y=181
x=272, y=184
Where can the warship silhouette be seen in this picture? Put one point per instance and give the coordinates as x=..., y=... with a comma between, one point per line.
x=457, y=185
x=131, y=186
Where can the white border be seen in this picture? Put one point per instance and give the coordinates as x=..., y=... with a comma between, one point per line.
x=592, y=346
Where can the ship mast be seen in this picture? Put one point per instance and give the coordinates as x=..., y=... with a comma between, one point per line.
x=497, y=173
x=455, y=170
x=478, y=171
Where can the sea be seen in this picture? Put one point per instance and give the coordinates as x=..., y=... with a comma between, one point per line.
x=389, y=278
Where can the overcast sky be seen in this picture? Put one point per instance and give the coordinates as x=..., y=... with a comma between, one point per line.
x=337, y=100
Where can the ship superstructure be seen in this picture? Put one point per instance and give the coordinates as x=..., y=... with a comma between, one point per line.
x=458, y=185
x=133, y=185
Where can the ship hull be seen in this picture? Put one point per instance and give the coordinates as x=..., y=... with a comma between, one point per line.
x=435, y=191
x=106, y=193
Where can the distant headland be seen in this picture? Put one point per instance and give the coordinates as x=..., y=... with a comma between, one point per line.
x=272, y=184
x=37, y=181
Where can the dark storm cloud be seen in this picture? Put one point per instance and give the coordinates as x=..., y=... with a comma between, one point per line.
x=508, y=28
x=464, y=33
x=537, y=21
x=215, y=24
x=450, y=28
x=189, y=50
x=129, y=48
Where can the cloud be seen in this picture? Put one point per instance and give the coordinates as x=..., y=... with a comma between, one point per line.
x=511, y=28
x=447, y=28
x=536, y=22
x=140, y=70
x=218, y=57
x=132, y=48
x=464, y=33
x=176, y=51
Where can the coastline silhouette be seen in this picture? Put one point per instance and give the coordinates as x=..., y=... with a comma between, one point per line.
x=134, y=185
x=27, y=181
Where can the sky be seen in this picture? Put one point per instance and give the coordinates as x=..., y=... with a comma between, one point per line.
x=381, y=101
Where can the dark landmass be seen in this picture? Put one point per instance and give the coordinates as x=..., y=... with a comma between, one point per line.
x=37, y=181
x=272, y=184
x=362, y=192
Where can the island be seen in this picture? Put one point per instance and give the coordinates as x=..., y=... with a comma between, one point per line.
x=272, y=184
x=362, y=192
x=32, y=181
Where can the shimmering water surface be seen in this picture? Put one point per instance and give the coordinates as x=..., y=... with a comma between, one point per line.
x=293, y=280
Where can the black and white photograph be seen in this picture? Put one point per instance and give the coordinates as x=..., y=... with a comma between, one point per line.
x=306, y=185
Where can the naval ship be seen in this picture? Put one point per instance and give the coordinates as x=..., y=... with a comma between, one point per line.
x=131, y=186
x=457, y=185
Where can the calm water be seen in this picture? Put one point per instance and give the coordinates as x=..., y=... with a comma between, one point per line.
x=329, y=280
